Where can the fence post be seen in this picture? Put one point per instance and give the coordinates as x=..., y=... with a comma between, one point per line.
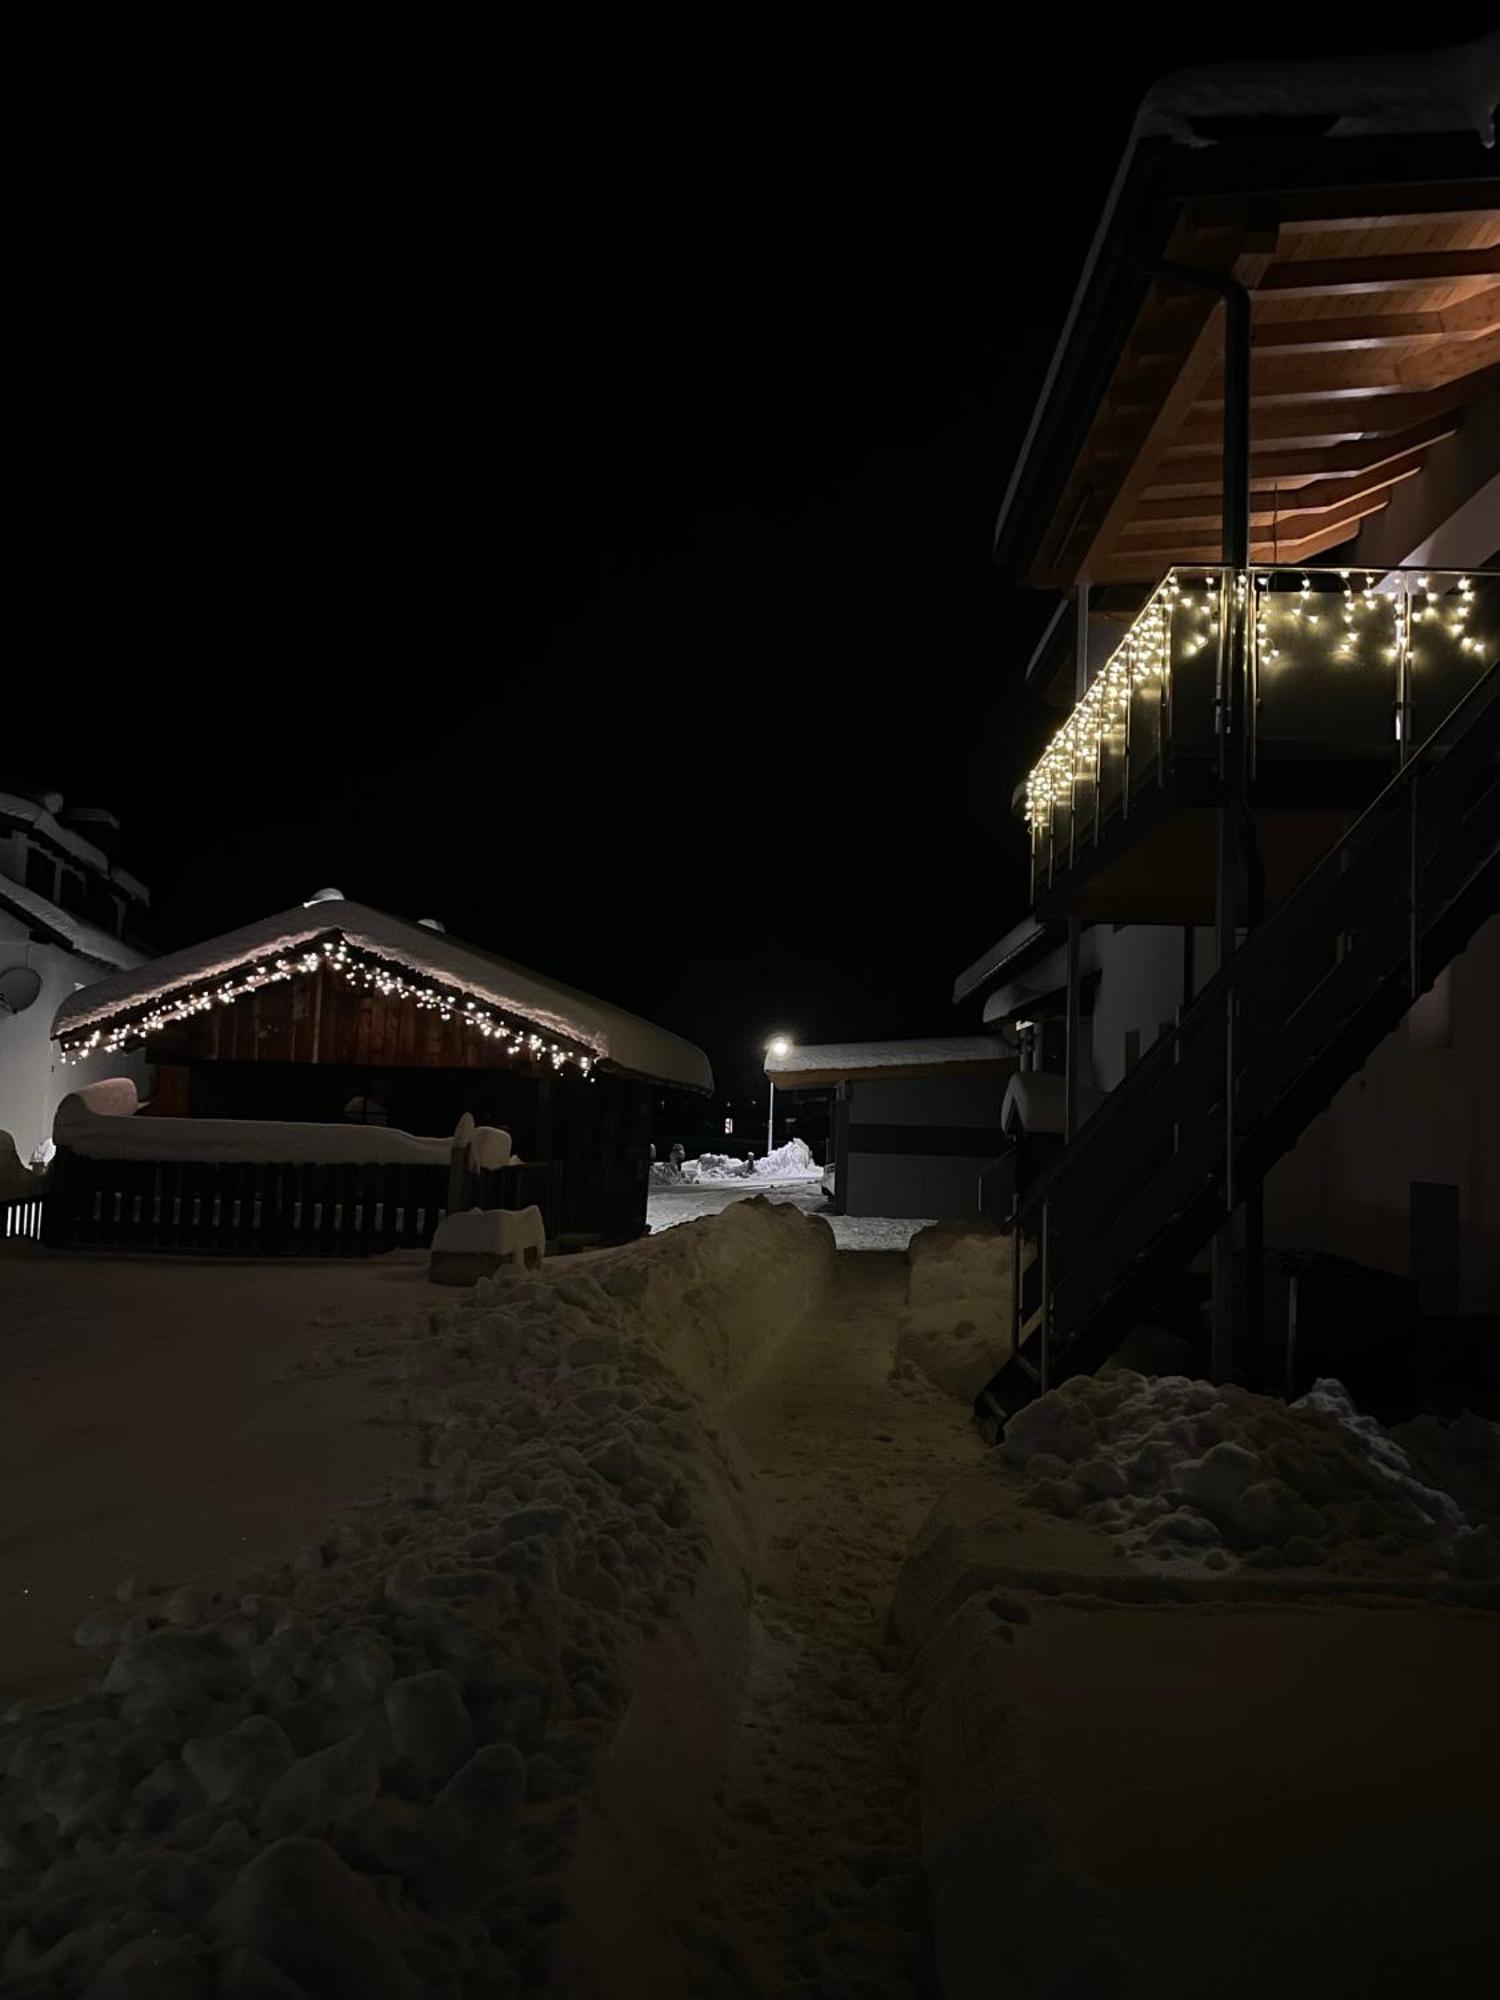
x=459, y=1194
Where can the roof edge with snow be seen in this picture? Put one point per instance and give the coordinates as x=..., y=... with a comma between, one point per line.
x=458, y=973
x=813, y=1065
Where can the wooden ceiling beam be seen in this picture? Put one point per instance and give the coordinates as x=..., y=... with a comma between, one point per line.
x=1346, y=420
x=1332, y=276
x=1453, y=361
x=1171, y=412
x=1281, y=530
x=1476, y=314
x=1338, y=336
x=1317, y=496
x=1149, y=565
x=1204, y=474
x=1314, y=211
x=1298, y=376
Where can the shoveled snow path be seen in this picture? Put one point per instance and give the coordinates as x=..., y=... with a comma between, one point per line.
x=819, y=1880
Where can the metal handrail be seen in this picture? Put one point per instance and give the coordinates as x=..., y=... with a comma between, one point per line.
x=1209, y=1007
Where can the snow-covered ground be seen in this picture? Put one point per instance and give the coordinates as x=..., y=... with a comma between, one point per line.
x=146, y=1427
x=1233, y=1662
x=465, y=1740
x=666, y=1207
x=644, y=1656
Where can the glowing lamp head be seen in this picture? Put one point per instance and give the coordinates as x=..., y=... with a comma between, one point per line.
x=778, y=1046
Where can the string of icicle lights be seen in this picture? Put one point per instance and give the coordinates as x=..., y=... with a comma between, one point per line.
x=1143, y=658
x=358, y=968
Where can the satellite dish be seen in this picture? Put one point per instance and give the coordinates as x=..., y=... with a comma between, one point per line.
x=18, y=988
x=324, y=896
x=433, y=924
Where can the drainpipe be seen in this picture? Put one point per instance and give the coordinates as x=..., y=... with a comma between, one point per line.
x=1073, y=1054
x=1235, y=830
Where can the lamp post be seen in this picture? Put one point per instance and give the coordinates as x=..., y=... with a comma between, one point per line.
x=777, y=1046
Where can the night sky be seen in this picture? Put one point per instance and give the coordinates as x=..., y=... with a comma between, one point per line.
x=548, y=484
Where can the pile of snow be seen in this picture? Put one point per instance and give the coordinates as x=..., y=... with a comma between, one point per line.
x=18, y=1182
x=400, y=1763
x=1197, y=1478
x=792, y=1162
x=99, y=1122
x=957, y=1326
x=492, y=1232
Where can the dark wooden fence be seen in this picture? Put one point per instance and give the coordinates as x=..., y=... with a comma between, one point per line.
x=266, y=1208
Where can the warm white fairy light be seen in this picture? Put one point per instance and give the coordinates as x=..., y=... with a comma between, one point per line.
x=1139, y=661
x=1177, y=622
x=331, y=954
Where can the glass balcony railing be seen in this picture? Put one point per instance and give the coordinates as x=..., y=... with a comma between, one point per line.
x=1340, y=667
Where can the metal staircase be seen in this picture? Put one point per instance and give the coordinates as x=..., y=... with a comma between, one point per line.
x=1261, y=1051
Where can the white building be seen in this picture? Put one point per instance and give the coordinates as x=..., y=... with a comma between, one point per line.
x=1262, y=488
x=67, y=917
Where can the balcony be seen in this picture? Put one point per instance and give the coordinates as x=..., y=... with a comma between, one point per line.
x=1344, y=673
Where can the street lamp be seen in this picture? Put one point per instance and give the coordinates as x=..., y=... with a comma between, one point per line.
x=777, y=1046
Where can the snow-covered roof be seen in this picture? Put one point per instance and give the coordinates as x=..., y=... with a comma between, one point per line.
x=1240, y=131
x=33, y=813
x=1022, y=945
x=805, y=1062
x=623, y=1040
x=1418, y=91
x=86, y=939
x=16, y=806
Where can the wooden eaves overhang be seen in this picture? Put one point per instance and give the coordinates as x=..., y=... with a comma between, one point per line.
x=1375, y=305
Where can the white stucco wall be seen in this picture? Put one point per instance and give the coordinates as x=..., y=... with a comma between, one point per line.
x=938, y=1184
x=1140, y=988
x=1426, y=1107
x=33, y=1080
x=1418, y=1111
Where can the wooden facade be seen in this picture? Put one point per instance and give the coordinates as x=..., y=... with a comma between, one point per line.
x=304, y=1048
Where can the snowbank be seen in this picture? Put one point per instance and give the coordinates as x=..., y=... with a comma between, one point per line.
x=99, y=1122
x=1193, y=1477
x=792, y=1162
x=957, y=1327
x=1170, y=1619
x=468, y=1741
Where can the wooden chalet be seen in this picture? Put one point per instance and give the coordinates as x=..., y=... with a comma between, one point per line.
x=336, y=1013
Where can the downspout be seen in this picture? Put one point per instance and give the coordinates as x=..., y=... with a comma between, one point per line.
x=1238, y=875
